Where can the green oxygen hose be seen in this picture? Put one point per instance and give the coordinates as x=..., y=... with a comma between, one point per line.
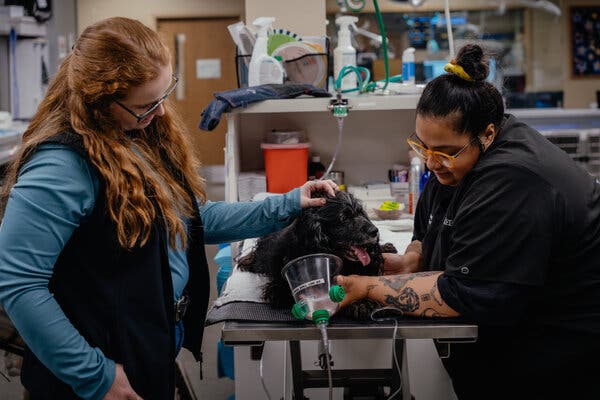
x=364, y=85
x=383, y=43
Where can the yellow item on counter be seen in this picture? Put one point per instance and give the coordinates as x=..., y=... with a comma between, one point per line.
x=389, y=205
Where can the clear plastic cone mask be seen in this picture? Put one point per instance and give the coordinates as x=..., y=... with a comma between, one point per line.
x=310, y=278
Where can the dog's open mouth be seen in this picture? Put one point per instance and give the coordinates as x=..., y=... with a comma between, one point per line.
x=361, y=255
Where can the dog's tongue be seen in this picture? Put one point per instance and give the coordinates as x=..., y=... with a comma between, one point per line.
x=362, y=255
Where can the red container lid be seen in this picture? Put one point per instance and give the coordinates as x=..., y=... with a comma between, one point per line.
x=278, y=146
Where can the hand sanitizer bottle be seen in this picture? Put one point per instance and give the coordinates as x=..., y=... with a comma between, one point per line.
x=263, y=68
x=344, y=54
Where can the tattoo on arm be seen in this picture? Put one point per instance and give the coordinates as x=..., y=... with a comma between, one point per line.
x=395, y=282
x=430, y=312
x=369, y=288
x=433, y=292
x=407, y=300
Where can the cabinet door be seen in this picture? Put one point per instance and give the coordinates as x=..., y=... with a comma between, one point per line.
x=206, y=58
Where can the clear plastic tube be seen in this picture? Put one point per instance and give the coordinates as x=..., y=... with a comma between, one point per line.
x=262, y=379
x=337, y=148
x=323, y=328
x=394, y=357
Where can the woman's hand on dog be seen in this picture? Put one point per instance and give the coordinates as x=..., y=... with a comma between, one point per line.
x=327, y=186
x=357, y=287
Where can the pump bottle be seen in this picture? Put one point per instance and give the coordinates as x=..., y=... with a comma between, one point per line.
x=414, y=183
x=344, y=54
x=263, y=68
x=408, y=66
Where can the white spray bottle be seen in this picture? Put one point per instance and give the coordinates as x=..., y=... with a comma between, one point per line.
x=263, y=68
x=408, y=66
x=344, y=54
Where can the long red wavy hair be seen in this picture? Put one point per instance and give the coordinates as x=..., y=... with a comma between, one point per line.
x=109, y=58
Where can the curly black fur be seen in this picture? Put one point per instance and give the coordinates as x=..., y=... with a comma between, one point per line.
x=338, y=227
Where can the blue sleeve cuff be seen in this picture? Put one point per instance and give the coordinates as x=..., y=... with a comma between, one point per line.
x=104, y=382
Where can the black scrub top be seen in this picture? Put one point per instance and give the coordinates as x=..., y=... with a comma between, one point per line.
x=519, y=243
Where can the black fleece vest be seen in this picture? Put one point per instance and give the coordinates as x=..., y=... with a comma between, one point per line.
x=122, y=300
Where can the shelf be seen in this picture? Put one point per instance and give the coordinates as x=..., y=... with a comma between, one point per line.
x=316, y=104
x=24, y=26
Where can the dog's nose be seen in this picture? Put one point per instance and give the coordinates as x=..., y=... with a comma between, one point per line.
x=372, y=230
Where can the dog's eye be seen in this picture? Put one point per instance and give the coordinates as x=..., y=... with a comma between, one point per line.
x=348, y=214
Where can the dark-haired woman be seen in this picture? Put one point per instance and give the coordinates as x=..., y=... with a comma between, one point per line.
x=507, y=235
x=102, y=264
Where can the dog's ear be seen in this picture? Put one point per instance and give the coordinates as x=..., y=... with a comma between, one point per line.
x=310, y=230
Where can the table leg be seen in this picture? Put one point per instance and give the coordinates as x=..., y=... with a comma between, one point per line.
x=296, y=360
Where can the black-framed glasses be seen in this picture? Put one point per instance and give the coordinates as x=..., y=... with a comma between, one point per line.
x=445, y=159
x=154, y=105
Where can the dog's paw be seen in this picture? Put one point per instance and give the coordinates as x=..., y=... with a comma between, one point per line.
x=388, y=248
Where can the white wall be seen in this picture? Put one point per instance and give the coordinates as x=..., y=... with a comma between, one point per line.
x=147, y=11
x=306, y=18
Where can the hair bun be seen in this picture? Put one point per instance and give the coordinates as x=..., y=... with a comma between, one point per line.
x=473, y=61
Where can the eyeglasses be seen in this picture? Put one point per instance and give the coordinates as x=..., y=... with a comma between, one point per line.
x=446, y=160
x=154, y=105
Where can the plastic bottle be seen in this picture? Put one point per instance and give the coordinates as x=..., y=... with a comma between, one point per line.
x=414, y=182
x=408, y=66
x=315, y=168
x=263, y=68
x=344, y=54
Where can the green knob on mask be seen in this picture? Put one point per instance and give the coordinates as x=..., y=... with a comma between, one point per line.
x=320, y=316
x=337, y=293
x=299, y=310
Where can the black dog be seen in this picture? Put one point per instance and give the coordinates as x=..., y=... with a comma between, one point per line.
x=340, y=227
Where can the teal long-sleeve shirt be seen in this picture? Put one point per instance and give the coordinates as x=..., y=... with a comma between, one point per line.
x=56, y=190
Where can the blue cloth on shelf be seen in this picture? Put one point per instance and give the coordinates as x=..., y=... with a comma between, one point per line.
x=225, y=101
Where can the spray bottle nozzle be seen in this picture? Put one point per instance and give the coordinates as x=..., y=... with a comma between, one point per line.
x=346, y=20
x=263, y=22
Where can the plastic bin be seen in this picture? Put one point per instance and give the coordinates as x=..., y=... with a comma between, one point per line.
x=286, y=166
x=298, y=69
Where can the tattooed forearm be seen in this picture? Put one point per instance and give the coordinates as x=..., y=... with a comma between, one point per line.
x=407, y=300
x=430, y=312
x=397, y=282
x=415, y=294
x=433, y=292
x=369, y=288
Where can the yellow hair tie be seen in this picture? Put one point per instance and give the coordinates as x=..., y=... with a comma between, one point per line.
x=457, y=70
